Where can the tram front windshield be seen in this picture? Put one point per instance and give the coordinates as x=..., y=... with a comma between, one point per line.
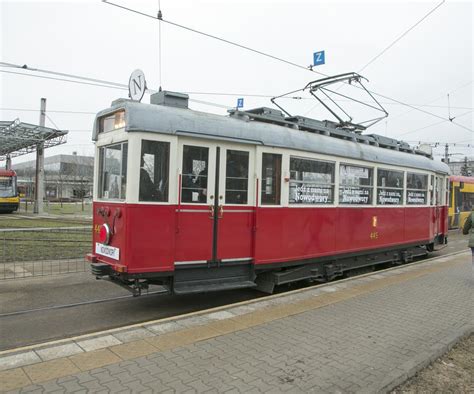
x=7, y=186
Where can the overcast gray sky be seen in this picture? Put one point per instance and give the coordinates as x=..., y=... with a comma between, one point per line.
x=96, y=40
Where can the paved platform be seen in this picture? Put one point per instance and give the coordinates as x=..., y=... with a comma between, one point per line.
x=367, y=334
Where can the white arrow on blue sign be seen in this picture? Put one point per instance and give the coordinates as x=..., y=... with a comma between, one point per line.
x=318, y=58
x=240, y=103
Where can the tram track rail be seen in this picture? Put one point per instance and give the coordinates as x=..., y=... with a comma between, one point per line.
x=76, y=304
x=282, y=290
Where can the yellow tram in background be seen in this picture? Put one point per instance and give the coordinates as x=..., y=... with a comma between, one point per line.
x=461, y=199
x=9, y=199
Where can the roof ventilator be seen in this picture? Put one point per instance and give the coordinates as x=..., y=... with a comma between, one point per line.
x=170, y=99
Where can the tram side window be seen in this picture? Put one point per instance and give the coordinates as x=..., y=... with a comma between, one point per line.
x=311, y=181
x=447, y=193
x=467, y=201
x=433, y=191
x=7, y=186
x=417, y=185
x=237, y=177
x=112, y=122
x=389, y=187
x=113, y=171
x=194, y=180
x=356, y=185
x=154, y=171
x=271, y=179
x=439, y=191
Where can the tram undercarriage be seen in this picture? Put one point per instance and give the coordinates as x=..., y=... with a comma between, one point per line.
x=215, y=276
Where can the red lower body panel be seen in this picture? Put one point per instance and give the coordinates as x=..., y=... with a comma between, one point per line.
x=151, y=238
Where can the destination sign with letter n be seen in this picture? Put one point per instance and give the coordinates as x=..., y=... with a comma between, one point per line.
x=136, y=85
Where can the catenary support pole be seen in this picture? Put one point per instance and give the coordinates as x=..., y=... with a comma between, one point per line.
x=39, y=179
x=8, y=163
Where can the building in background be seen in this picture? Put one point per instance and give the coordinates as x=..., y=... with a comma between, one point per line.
x=464, y=167
x=67, y=177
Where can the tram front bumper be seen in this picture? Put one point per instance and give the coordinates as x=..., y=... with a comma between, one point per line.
x=101, y=269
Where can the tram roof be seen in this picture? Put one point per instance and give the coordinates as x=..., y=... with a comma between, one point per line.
x=461, y=178
x=7, y=172
x=186, y=122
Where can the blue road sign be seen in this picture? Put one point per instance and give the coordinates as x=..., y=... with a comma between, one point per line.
x=240, y=103
x=318, y=58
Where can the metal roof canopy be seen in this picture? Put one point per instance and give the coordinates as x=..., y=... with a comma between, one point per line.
x=18, y=138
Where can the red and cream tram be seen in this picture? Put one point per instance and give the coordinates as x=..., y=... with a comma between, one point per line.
x=199, y=202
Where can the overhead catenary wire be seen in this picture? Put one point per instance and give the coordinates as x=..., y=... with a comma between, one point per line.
x=121, y=86
x=52, y=121
x=308, y=98
x=114, y=85
x=49, y=111
x=159, y=44
x=395, y=41
x=212, y=36
x=434, y=124
x=105, y=84
x=61, y=74
x=441, y=144
x=265, y=54
x=401, y=36
x=64, y=79
x=436, y=99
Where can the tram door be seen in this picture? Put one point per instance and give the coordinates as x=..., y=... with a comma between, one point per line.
x=234, y=206
x=215, y=214
x=437, y=202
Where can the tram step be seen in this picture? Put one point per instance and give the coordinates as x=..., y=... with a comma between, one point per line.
x=183, y=288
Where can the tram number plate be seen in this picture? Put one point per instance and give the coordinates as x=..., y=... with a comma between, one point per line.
x=108, y=251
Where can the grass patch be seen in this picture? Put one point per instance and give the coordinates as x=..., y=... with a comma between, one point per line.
x=52, y=244
x=9, y=222
x=56, y=208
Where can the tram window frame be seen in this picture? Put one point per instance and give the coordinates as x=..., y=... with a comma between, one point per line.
x=382, y=186
x=447, y=192
x=235, y=191
x=154, y=171
x=439, y=191
x=120, y=179
x=413, y=187
x=343, y=186
x=309, y=189
x=432, y=189
x=270, y=193
x=112, y=122
x=192, y=182
x=467, y=201
x=8, y=186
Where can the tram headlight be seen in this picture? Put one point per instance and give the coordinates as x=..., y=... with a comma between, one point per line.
x=104, y=234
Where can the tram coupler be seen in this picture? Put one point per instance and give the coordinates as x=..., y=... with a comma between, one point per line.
x=137, y=287
x=133, y=286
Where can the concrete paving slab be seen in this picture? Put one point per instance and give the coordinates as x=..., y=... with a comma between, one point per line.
x=59, y=351
x=98, y=343
x=162, y=328
x=18, y=360
x=13, y=379
x=48, y=370
x=133, y=349
x=133, y=334
x=94, y=359
x=221, y=315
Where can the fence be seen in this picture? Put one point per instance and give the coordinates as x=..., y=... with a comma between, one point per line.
x=30, y=252
x=78, y=208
